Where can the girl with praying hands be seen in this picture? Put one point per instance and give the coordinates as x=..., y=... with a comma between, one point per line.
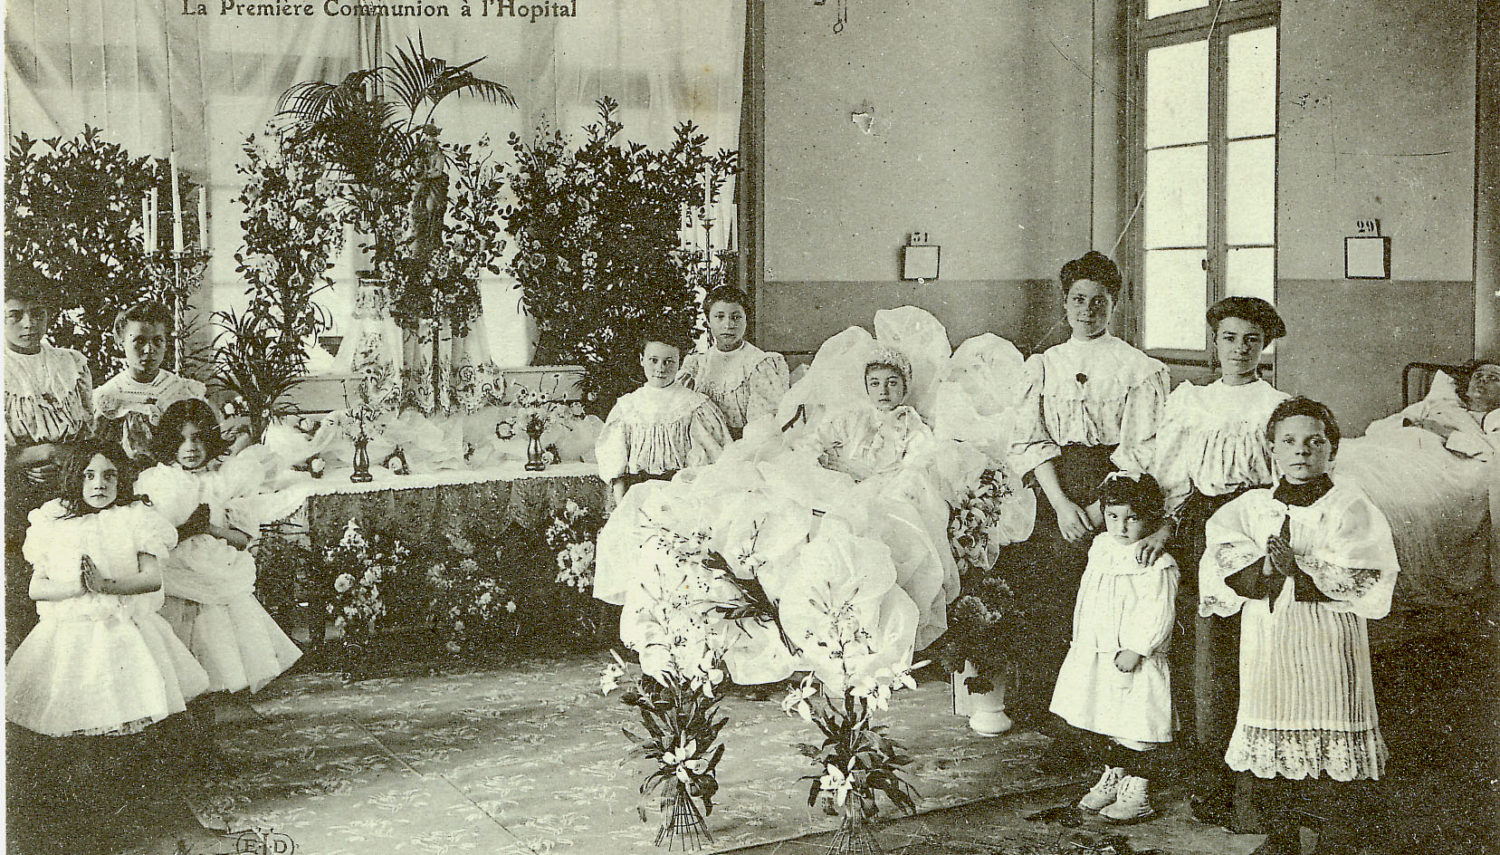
x=1091, y=405
x=743, y=381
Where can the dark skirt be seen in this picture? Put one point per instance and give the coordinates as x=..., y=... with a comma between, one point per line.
x=1205, y=651
x=1045, y=572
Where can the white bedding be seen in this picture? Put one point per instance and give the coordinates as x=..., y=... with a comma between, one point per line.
x=1439, y=505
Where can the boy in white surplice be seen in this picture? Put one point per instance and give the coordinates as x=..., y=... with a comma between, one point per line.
x=1306, y=564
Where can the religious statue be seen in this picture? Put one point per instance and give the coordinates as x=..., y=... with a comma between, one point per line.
x=429, y=198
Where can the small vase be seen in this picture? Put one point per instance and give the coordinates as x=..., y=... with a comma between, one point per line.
x=361, y=473
x=536, y=457
x=854, y=836
x=682, y=825
x=986, y=710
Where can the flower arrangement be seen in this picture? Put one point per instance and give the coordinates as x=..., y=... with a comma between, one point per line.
x=987, y=624
x=682, y=722
x=854, y=674
x=470, y=602
x=572, y=532
x=358, y=566
x=534, y=410
x=682, y=644
x=857, y=760
x=290, y=236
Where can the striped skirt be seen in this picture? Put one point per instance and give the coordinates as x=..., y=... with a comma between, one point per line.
x=1307, y=699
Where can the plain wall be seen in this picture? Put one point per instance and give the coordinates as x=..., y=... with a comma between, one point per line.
x=1377, y=105
x=981, y=136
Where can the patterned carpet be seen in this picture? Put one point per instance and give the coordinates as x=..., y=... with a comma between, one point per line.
x=527, y=758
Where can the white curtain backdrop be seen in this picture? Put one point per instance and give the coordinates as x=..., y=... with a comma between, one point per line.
x=155, y=80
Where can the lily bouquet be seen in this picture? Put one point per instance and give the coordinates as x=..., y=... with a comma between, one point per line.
x=682, y=644
x=853, y=678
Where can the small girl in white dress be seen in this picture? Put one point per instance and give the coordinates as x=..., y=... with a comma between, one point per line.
x=101, y=661
x=1115, y=679
x=209, y=578
x=661, y=427
x=744, y=382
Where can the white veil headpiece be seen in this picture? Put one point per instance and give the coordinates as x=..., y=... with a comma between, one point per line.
x=836, y=378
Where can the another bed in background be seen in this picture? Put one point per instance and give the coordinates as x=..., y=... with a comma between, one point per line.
x=1432, y=469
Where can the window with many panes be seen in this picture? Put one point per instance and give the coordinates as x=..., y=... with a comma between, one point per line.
x=1203, y=163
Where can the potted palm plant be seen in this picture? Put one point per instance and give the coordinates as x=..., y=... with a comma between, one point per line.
x=373, y=131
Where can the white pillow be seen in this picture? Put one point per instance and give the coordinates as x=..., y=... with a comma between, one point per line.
x=1444, y=389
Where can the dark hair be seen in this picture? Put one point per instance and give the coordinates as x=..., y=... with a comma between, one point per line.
x=1143, y=495
x=70, y=475
x=25, y=283
x=669, y=334
x=145, y=312
x=1468, y=374
x=725, y=294
x=1252, y=309
x=1301, y=406
x=1095, y=267
x=166, y=437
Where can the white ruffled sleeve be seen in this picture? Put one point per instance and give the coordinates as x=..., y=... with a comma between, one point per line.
x=173, y=492
x=612, y=448
x=1172, y=455
x=1139, y=420
x=43, y=535
x=1032, y=445
x=1355, y=563
x=84, y=390
x=1231, y=546
x=687, y=375
x=765, y=387
x=707, y=435
x=153, y=533
x=1147, y=627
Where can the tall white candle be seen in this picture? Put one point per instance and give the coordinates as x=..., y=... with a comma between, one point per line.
x=176, y=203
x=146, y=223
x=151, y=223
x=202, y=218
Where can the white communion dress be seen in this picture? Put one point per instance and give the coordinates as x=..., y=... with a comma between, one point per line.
x=745, y=383
x=98, y=663
x=209, y=584
x=1307, y=698
x=1122, y=605
x=841, y=522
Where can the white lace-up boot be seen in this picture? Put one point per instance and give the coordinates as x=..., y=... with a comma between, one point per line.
x=1132, y=805
x=1105, y=792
